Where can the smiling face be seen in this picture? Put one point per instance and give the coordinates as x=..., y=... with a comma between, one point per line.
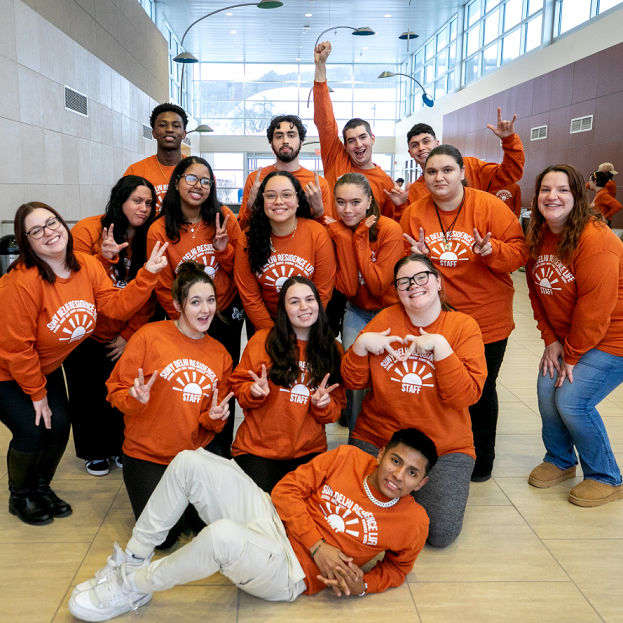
x=358, y=143
x=401, y=470
x=137, y=207
x=420, y=146
x=302, y=308
x=351, y=204
x=555, y=200
x=193, y=196
x=443, y=177
x=419, y=298
x=169, y=131
x=198, y=310
x=286, y=142
x=52, y=246
x=277, y=208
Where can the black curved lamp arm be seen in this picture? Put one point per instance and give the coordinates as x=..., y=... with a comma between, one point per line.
x=233, y=6
x=414, y=80
x=334, y=28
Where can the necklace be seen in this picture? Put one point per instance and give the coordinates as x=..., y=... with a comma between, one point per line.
x=196, y=225
x=448, y=245
x=372, y=499
x=166, y=179
x=272, y=248
x=177, y=324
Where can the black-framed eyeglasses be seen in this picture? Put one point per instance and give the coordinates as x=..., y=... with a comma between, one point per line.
x=192, y=180
x=37, y=232
x=419, y=279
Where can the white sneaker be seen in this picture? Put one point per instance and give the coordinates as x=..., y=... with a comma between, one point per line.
x=115, y=560
x=109, y=599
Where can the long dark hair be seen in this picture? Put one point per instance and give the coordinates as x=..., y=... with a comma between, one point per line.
x=28, y=257
x=258, y=233
x=578, y=218
x=373, y=209
x=424, y=259
x=114, y=215
x=322, y=354
x=171, y=209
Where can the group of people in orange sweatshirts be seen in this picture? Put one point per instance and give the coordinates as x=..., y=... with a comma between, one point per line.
x=417, y=280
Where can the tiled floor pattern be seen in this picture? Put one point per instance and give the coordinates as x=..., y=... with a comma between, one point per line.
x=525, y=555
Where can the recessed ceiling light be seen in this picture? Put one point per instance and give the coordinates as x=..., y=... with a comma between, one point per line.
x=365, y=48
x=228, y=14
x=298, y=59
x=232, y=32
x=308, y=15
x=387, y=15
x=357, y=60
x=239, y=59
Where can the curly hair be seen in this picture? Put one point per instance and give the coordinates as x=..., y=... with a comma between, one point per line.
x=357, y=179
x=258, y=233
x=293, y=120
x=581, y=214
x=322, y=354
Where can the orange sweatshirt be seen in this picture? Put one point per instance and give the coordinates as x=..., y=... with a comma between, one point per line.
x=176, y=416
x=365, y=270
x=335, y=158
x=43, y=322
x=511, y=196
x=482, y=175
x=580, y=305
x=285, y=424
x=196, y=246
x=606, y=203
x=307, y=252
x=153, y=172
x=303, y=175
x=432, y=396
x=480, y=287
x=325, y=499
x=610, y=186
x=87, y=235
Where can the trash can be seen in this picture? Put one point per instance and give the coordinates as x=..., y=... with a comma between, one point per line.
x=9, y=252
x=525, y=220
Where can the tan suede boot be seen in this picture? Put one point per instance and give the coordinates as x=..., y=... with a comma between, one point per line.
x=592, y=493
x=547, y=475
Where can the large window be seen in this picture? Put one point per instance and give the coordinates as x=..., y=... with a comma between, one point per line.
x=175, y=70
x=150, y=8
x=498, y=31
x=242, y=98
x=572, y=13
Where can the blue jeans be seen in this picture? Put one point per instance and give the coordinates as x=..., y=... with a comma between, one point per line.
x=570, y=418
x=355, y=319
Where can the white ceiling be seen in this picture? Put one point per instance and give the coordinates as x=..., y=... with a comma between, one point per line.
x=276, y=36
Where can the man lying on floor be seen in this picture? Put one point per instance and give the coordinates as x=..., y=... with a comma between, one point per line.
x=325, y=521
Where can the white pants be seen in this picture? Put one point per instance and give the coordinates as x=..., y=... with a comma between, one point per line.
x=244, y=538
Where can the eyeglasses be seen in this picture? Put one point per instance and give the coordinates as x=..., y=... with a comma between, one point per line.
x=419, y=279
x=286, y=196
x=37, y=232
x=192, y=180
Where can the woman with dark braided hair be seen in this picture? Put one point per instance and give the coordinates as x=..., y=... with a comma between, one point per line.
x=282, y=241
x=289, y=386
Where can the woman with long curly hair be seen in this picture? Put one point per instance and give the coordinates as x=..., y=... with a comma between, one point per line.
x=118, y=239
x=575, y=279
x=288, y=383
x=282, y=241
x=198, y=228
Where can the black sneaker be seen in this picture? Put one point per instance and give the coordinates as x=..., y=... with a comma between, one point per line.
x=98, y=467
x=117, y=460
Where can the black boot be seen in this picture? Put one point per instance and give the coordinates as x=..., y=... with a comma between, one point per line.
x=23, y=501
x=56, y=507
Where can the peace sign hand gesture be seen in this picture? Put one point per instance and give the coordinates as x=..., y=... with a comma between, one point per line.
x=321, y=397
x=219, y=411
x=110, y=248
x=397, y=194
x=221, y=238
x=505, y=128
x=157, y=260
x=482, y=246
x=313, y=192
x=260, y=387
x=419, y=245
x=139, y=390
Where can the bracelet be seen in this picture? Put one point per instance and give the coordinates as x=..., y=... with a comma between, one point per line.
x=365, y=590
x=316, y=550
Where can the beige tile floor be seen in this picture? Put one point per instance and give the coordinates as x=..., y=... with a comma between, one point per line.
x=525, y=555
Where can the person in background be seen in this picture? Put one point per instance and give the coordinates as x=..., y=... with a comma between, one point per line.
x=400, y=182
x=168, y=123
x=603, y=202
x=286, y=135
x=608, y=168
x=49, y=301
x=288, y=384
x=511, y=196
x=118, y=240
x=575, y=281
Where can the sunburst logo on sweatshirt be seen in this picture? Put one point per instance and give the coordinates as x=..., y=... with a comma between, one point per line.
x=412, y=375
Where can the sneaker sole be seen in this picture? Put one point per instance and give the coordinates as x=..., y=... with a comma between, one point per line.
x=90, y=615
x=592, y=503
x=546, y=484
x=98, y=473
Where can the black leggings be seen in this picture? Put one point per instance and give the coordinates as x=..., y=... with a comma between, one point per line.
x=18, y=415
x=266, y=473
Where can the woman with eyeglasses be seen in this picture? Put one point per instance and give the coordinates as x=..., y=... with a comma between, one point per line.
x=282, y=241
x=425, y=365
x=197, y=227
x=118, y=239
x=49, y=302
x=475, y=241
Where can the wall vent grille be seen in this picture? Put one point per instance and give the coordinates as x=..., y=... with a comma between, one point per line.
x=581, y=124
x=537, y=134
x=76, y=102
x=147, y=132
